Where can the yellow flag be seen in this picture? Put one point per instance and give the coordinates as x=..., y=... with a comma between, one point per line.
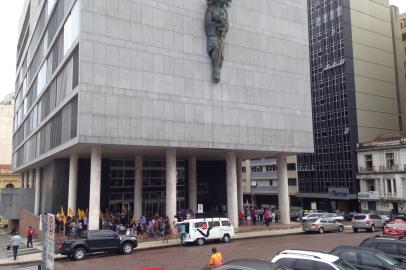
x=63, y=217
x=70, y=212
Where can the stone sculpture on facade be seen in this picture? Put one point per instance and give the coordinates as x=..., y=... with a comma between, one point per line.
x=216, y=25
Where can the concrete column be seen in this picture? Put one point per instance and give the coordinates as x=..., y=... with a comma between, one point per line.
x=73, y=182
x=31, y=179
x=25, y=183
x=192, y=185
x=95, y=183
x=138, y=187
x=37, y=190
x=232, y=204
x=239, y=185
x=171, y=184
x=283, y=189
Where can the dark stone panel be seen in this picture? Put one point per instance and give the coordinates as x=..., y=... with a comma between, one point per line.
x=105, y=181
x=46, y=188
x=60, y=186
x=83, y=183
x=211, y=184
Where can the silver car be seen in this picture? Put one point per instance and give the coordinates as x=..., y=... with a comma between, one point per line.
x=312, y=216
x=333, y=217
x=322, y=225
x=369, y=222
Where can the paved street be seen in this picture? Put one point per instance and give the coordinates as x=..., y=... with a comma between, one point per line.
x=193, y=257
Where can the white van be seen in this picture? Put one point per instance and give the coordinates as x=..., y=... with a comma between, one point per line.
x=207, y=229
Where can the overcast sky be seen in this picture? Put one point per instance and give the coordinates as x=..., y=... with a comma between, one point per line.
x=9, y=17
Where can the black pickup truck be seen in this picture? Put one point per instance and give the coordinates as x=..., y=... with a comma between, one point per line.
x=97, y=241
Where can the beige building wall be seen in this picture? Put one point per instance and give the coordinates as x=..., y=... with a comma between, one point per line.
x=403, y=29
x=374, y=68
x=399, y=53
x=6, y=129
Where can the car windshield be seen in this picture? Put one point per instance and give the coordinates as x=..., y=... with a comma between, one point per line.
x=389, y=260
x=343, y=265
x=359, y=217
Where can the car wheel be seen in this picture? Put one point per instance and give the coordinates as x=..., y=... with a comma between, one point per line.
x=321, y=230
x=79, y=254
x=128, y=248
x=372, y=228
x=226, y=238
x=341, y=229
x=200, y=241
x=355, y=230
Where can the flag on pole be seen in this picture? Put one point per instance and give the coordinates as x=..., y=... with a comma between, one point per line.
x=63, y=217
x=70, y=212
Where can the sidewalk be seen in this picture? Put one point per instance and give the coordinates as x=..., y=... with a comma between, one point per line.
x=245, y=233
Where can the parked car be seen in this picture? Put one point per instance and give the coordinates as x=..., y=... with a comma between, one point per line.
x=369, y=222
x=394, y=246
x=309, y=260
x=395, y=228
x=385, y=218
x=322, y=225
x=399, y=218
x=248, y=264
x=97, y=241
x=365, y=258
x=312, y=216
x=201, y=230
x=349, y=215
x=333, y=217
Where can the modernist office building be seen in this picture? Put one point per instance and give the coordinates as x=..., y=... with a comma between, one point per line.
x=356, y=95
x=116, y=107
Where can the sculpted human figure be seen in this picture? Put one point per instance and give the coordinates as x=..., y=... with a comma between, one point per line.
x=216, y=25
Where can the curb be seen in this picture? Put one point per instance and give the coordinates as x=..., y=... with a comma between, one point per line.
x=168, y=245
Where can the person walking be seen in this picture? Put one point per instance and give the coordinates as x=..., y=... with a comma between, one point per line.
x=30, y=234
x=15, y=243
x=216, y=259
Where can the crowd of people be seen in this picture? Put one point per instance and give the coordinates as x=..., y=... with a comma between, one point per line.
x=251, y=216
x=156, y=226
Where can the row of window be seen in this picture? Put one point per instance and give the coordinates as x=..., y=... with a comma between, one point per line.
x=59, y=88
x=269, y=168
x=61, y=128
x=25, y=98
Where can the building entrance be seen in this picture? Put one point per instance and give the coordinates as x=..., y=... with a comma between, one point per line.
x=119, y=206
x=121, y=186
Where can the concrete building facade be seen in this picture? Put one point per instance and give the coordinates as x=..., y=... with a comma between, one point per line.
x=382, y=174
x=115, y=106
x=355, y=95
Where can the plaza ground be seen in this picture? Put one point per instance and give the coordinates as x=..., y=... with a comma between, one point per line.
x=194, y=257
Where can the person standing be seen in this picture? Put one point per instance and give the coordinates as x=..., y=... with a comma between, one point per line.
x=30, y=234
x=15, y=243
x=182, y=233
x=216, y=259
x=167, y=229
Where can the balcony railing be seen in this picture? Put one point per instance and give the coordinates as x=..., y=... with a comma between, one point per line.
x=262, y=175
x=263, y=162
x=264, y=190
x=13, y=200
x=382, y=168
